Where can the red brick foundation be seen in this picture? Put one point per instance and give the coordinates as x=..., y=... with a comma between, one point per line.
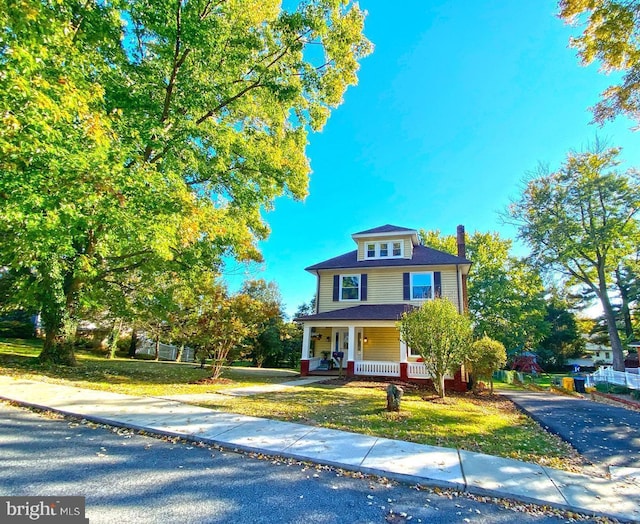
x=304, y=368
x=404, y=371
x=351, y=369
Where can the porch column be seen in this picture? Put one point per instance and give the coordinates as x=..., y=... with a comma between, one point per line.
x=304, y=360
x=351, y=355
x=404, y=361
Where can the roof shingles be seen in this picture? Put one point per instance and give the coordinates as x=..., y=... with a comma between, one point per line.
x=422, y=256
x=362, y=312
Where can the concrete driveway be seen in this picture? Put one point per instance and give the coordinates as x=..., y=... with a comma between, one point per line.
x=606, y=435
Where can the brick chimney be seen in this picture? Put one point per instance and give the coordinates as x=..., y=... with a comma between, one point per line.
x=462, y=252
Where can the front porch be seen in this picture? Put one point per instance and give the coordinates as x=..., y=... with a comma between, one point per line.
x=369, y=350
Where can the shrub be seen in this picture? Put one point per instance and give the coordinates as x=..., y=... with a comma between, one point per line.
x=605, y=387
x=16, y=329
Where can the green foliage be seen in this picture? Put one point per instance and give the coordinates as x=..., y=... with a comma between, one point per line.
x=564, y=339
x=486, y=357
x=224, y=323
x=440, y=334
x=505, y=293
x=580, y=221
x=139, y=138
x=611, y=36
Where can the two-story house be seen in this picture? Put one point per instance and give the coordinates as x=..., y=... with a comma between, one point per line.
x=362, y=294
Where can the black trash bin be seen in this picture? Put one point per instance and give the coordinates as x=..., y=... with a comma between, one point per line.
x=578, y=383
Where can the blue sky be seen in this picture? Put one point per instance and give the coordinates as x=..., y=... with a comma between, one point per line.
x=458, y=102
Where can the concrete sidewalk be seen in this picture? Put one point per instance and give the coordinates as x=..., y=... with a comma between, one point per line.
x=427, y=465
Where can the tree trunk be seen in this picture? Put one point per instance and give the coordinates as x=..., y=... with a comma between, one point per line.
x=614, y=336
x=58, y=346
x=58, y=300
x=115, y=336
x=625, y=310
x=134, y=343
x=441, y=386
x=180, y=352
x=157, y=348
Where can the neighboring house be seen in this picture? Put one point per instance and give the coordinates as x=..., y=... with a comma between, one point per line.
x=362, y=294
x=599, y=353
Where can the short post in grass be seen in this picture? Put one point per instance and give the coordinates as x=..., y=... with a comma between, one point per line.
x=394, y=395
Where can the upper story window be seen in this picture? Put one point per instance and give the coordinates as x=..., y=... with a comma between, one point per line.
x=386, y=249
x=349, y=287
x=421, y=286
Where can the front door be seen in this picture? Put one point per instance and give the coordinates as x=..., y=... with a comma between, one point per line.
x=341, y=343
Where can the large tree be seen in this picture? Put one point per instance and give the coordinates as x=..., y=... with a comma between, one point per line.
x=611, y=36
x=142, y=132
x=581, y=221
x=506, y=295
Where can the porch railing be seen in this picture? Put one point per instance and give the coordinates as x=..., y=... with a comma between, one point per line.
x=314, y=363
x=375, y=368
x=417, y=370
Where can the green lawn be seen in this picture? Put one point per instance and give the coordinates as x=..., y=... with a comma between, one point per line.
x=485, y=424
x=124, y=375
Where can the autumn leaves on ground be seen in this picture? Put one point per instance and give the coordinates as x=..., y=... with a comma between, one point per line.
x=486, y=424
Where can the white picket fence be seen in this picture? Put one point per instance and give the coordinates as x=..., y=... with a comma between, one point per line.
x=165, y=351
x=619, y=378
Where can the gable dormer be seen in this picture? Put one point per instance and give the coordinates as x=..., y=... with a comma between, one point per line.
x=385, y=243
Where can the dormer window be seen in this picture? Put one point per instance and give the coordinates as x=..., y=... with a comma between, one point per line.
x=371, y=250
x=386, y=249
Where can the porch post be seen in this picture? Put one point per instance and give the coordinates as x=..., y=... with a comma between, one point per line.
x=351, y=355
x=304, y=360
x=404, y=364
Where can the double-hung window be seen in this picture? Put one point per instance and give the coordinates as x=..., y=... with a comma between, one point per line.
x=349, y=287
x=421, y=286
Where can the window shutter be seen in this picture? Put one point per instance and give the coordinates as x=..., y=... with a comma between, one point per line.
x=336, y=288
x=363, y=286
x=406, y=291
x=437, y=284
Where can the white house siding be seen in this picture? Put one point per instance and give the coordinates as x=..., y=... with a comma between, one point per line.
x=384, y=286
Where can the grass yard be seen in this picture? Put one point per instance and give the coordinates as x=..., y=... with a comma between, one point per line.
x=124, y=375
x=487, y=424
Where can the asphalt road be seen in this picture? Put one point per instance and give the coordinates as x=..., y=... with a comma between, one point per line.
x=138, y=479
x=605, y=435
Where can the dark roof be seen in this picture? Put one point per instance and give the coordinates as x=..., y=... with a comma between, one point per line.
x=387, y=228
x=363, y=312
x=422, y=256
